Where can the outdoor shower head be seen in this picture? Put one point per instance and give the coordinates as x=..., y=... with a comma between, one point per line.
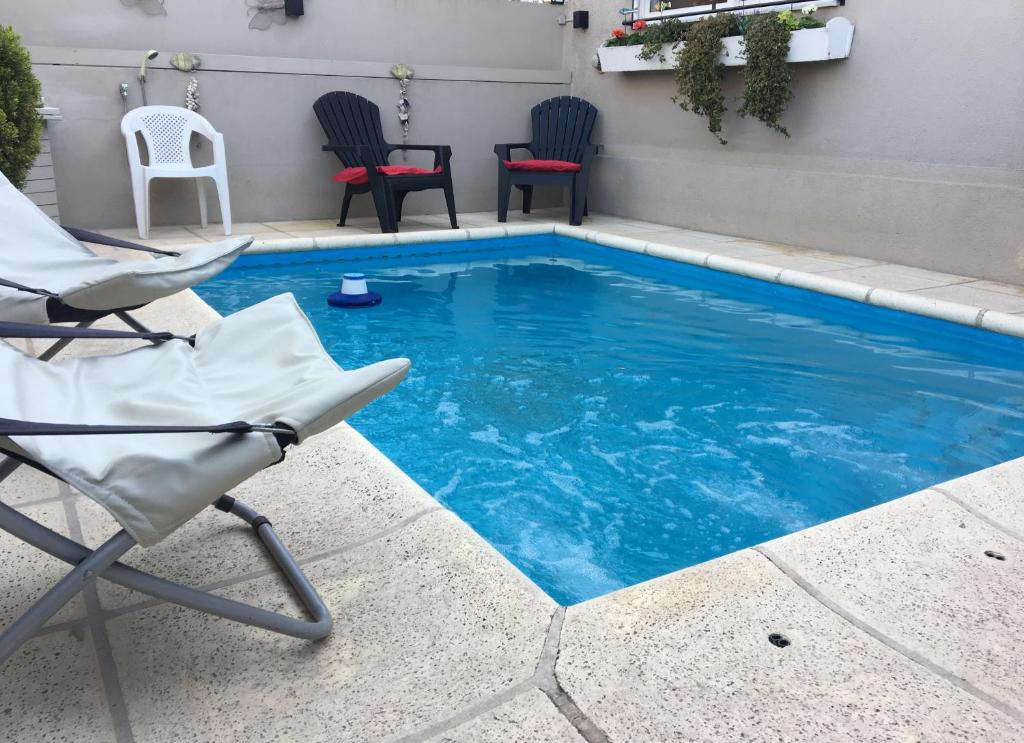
x=151, y=54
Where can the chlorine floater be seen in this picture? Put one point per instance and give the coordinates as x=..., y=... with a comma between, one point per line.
x=354, y=293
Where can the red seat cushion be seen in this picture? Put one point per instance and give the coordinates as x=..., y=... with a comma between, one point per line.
x=357, y=176
x=546, y=166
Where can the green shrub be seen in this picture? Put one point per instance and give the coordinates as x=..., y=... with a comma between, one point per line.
x=20, y=125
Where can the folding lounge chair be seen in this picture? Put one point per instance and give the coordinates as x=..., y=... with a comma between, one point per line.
x=47, y=275
x=187, y=420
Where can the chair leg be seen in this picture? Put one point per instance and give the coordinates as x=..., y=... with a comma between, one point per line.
x=201, y=192
x=577, y=201
x=449, y=200
x=139, y=191
x=399, y=202
x=224, y=197
x=144, y=229
x=382, y=202
x=504, y=192
x=586, y=207
x=101, y=562
x=29, y=623
x=345, y=202
x=527, y=199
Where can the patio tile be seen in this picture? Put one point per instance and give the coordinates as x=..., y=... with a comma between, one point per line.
x=155, y=233
x=915, y=571
x=26, y=486
x=686, y=239
x=712, y=236
x=797, y=262
x=976, y=297
x=687, y=657
x=442, y=221
x=331, y=232
x=27, y=573
x=896, y=277
x=303, y=224
x=215, y=232
x=997, y=286
x=528, y=718
x=52, y=691
x=333, y=491
x=997, y=493
x=429, y=620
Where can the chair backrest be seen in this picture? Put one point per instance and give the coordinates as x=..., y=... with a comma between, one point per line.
x=166, y=131
x=350, y=119
x=561, y=128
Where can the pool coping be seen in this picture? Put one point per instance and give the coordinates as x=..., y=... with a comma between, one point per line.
x=962, y=314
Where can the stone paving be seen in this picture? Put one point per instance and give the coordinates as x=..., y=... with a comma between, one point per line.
x=900, y=625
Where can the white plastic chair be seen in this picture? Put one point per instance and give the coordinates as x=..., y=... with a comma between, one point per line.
x=167, y=131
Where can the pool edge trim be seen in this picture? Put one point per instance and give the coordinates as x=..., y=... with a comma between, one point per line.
x=983, y=318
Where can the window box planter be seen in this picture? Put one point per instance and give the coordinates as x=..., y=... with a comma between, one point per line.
x=807, y=45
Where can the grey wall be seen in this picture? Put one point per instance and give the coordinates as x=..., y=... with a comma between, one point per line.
x=910, y=150
x=480, y=65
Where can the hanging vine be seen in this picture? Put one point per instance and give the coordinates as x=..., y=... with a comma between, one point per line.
x=767, y=77
x=700, y=72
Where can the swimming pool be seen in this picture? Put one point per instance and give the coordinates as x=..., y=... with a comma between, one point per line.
x=603, y=417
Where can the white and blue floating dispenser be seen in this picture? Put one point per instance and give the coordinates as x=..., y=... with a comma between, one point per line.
x=354, y=293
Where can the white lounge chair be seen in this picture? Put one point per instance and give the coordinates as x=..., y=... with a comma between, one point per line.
x=48, y=275
x=189, y=419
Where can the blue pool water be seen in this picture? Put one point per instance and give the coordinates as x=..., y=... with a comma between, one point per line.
x=603, y=418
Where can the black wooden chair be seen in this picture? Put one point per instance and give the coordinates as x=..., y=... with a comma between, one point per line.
x=354, y=134
x=562, y=156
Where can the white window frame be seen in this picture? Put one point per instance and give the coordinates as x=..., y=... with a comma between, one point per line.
x=643, y=12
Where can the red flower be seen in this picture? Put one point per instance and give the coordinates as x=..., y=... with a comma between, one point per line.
x=618, y=33
x=639, y=25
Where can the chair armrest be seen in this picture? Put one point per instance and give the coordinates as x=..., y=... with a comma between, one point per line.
x=11, y=427
x=31, y=330
x=352, y=148
x=503, y=151
x=95, y=237
x=219, y=158
x=28, y=289
x=442, y=152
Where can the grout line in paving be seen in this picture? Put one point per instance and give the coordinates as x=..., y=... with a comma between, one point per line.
x=74, y=626
x=547, y=681
x=881, y=637
x=112, y=690
x=466, y=714
x=256, y=574
x=543, y=679
x=978, y=514
x=38, y=502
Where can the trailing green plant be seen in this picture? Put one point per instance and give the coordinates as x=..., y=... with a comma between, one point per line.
x=20, y=124
x=699, y=71
x=767, y=77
